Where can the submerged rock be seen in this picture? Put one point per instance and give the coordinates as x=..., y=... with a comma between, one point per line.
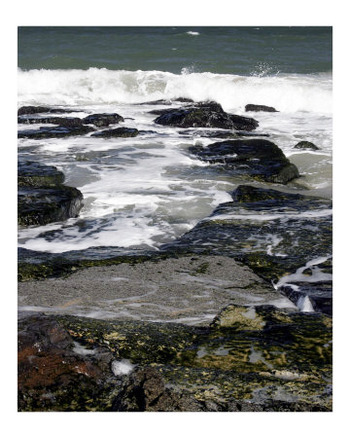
x=256, y=108
x=42, y=196
x=306, y=145
x=263, y=360
x=206, y=115
x=257, y=158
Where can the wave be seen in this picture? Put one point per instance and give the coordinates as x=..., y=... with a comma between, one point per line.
x=288, y=93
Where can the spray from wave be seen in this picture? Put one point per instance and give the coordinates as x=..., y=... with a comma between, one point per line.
x=289, y=93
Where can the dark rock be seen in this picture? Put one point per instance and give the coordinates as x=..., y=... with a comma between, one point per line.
x=40, y=206
x=43, y=109
x=42, y=198
x=256, y=108
x=102, y=120
x=306, y=145
x=117, y=132
x=146, y=391
x=69, y=122
x=260, y=159
x=318, y=293
x=167, y=101
x=33, y=174
x=55, y=132
x=206, y=115
x=207, y=133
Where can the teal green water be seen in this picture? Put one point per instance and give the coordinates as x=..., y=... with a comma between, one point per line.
x=227, y=50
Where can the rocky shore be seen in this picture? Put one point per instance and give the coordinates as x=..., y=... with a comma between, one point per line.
x=235, y=315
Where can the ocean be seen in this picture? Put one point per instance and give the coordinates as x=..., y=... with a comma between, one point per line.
x=146, y=191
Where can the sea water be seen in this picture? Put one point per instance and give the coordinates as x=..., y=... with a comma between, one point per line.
x=148, y=190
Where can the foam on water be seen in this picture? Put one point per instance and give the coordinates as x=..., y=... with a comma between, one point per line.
x=299, y=276
x=144, y=191
x=290, y=93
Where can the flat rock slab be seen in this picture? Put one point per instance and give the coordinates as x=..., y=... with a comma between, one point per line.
x=188, y=289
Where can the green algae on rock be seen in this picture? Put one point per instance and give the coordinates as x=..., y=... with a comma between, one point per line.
x=280, y=362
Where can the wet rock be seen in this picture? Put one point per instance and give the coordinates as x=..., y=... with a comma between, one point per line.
x=306, y=145
x=43, y=109
x=57, y=374
x=256, y=158
x=42, y=196
x=68, y=122
x=117, y=132
x=310, y=296
x=102, y=120
x=278, y=235
x=146, y=391
x=250, y=359
x=55, y=132
x=191, y=133
x=206, y=115
x=256, y=108
x=167, y=101
x=33, y=174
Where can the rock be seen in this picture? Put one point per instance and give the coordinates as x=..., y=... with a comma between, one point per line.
x=42, y=196
x=117, y=132
x=310, y=296
x=263, y=360
x=191, y=133
x=102, y=120
x=257, y=158
x=206, y=115
x=306, y=145
x=285, y=238
x=33, y=174
x=167, y=101
x=56, y=373
x=256, y=108
x=68, y=122
x=55, y=132
x=177, y=285
x=146, y=391
x=43, y=109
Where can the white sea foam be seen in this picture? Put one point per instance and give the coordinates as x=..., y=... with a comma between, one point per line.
x=289, y=93
x=299, y=276
x=305, y=305
x=147, y=190
x=122, y=367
